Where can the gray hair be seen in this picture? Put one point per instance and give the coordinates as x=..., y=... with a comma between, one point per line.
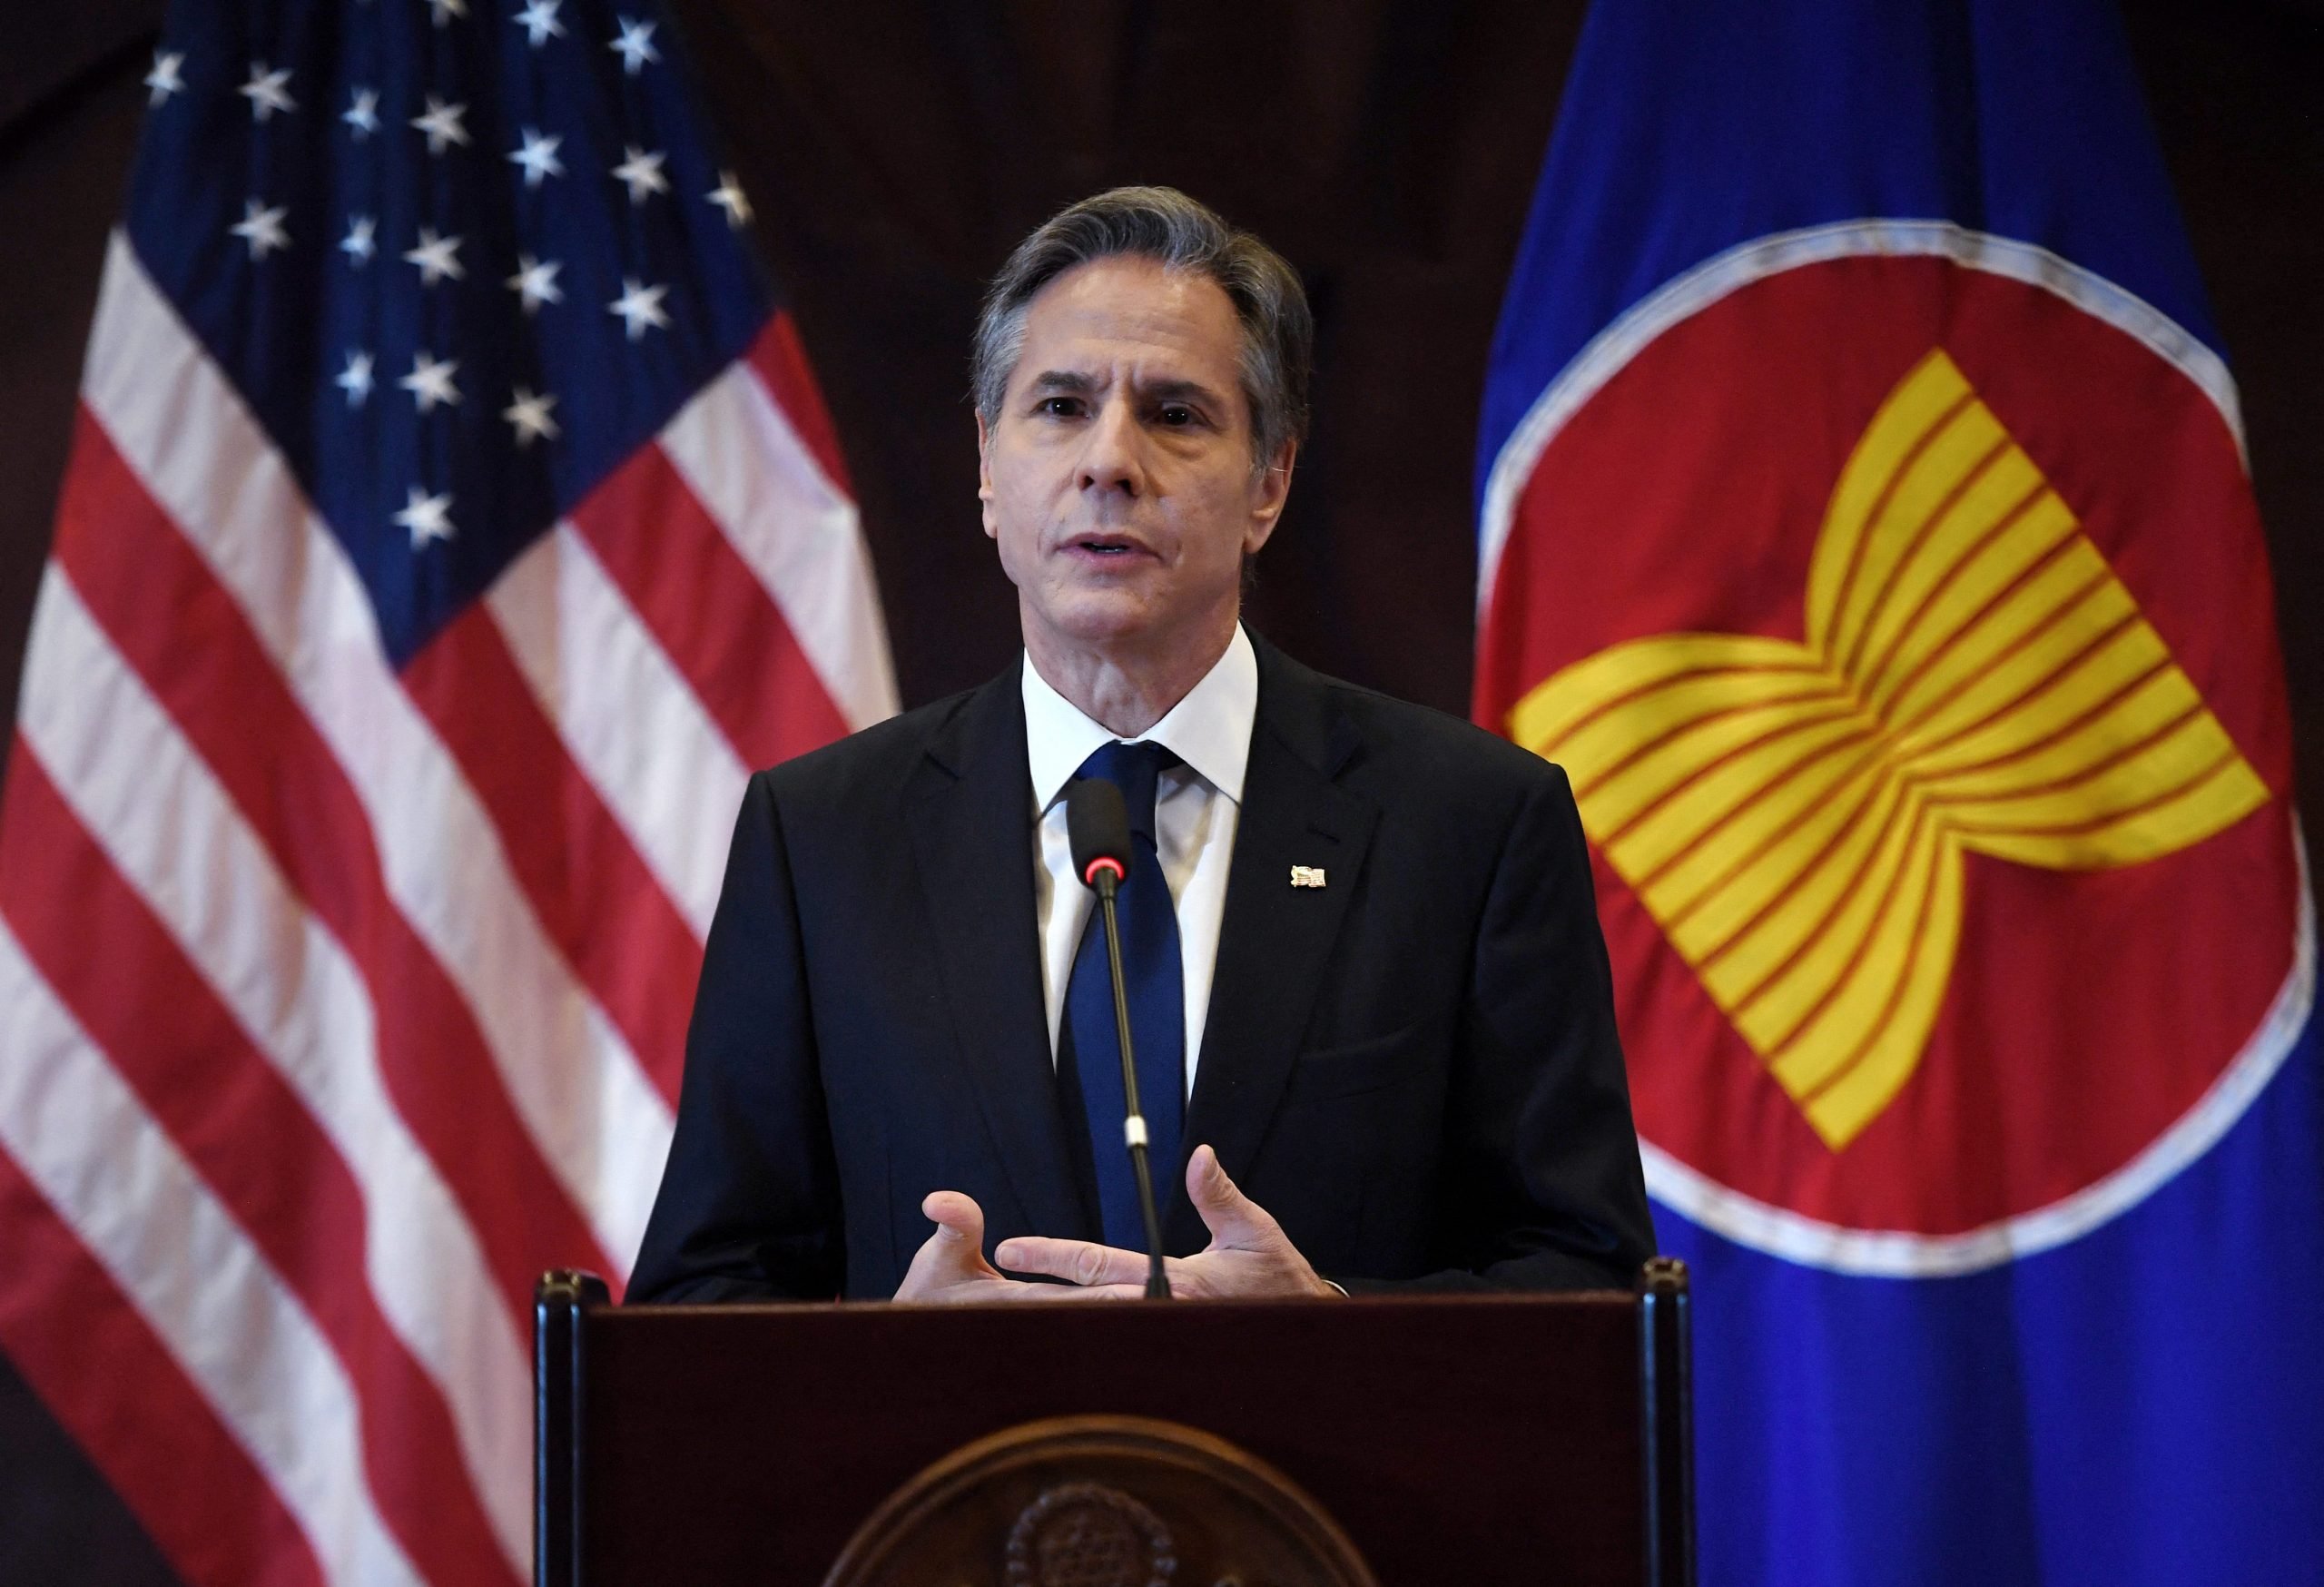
x=1164, y=225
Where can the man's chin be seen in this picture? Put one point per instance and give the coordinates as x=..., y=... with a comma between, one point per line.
x=1101, y=619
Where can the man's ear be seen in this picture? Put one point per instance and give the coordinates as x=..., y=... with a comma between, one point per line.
x=1269, y=490
x=984, y=477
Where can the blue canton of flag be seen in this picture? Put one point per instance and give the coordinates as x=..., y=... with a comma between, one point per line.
x=476, y=263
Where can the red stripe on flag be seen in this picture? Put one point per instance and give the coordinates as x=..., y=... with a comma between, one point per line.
x=594, y=893
x=708, y=611
x=199, y=1075
x=193, y=647
x=779, y=362
x=113, y=1385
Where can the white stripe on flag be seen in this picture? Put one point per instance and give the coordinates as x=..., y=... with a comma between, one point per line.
x=151, y=1221
x=182, y=428
x=629, y=718
x=175, y=836
x=748, y=467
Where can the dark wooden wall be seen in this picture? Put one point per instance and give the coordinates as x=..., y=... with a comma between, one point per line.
x=895, y=152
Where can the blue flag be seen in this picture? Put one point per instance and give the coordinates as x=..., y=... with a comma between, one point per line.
x=1864, y=526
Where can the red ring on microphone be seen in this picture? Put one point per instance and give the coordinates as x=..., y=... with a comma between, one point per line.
x=1104, y=863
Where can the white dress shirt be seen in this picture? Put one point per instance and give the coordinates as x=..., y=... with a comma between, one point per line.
x=1196, y=807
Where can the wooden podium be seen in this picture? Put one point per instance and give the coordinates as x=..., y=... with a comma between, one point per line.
x=1476, y=1440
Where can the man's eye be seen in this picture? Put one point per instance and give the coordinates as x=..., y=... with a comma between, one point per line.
x=1060, y=407
x=1176, y=415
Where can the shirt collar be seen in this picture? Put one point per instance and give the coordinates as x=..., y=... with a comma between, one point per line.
x=1210, y=729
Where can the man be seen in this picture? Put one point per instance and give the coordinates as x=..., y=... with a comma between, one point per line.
x=1371, y=1004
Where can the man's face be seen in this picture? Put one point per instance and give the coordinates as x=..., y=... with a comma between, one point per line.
x=1117, y=479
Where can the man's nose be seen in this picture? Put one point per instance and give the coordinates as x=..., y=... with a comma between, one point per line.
x=1114, y=456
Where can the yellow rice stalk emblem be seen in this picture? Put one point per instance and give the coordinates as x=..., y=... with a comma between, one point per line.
x=1976, y=678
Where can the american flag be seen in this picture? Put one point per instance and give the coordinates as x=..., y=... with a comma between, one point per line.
x=452, y=521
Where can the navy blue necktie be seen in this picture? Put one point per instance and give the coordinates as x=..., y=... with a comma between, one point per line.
x=1155, y=984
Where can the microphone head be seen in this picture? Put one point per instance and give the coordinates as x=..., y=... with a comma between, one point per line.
x=1096, y=823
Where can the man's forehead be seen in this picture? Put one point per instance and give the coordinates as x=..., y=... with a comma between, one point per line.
x=1168, y=323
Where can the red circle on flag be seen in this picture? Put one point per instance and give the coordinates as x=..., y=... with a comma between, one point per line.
x=2086, y=1011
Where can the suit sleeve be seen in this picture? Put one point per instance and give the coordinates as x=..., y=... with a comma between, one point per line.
x=1541, y=1187
x=749, y=1208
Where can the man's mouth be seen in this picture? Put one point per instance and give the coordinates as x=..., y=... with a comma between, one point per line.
x=1106, y=546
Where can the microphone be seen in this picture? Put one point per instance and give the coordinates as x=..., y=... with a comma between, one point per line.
x=1097, y=828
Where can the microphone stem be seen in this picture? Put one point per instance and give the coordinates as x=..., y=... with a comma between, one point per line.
x=1157, y=1283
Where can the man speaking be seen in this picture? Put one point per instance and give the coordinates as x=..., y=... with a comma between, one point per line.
x=1370, y=1005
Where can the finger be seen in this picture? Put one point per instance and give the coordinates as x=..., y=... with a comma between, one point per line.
x=958, y=1243
x=1026, y=1292
x=1079, y=1262
x=1233, y=1219
x=954, y=1213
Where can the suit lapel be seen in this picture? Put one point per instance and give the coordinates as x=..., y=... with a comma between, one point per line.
x=970, y=802
x=1274, y=940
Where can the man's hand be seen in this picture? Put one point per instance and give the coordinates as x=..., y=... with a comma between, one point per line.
x=1249, y=1255
x=950, y=1268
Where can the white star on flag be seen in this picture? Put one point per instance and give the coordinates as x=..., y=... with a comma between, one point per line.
x=529, y=416
x=446, y=10
x=538, y=157
x=164, y=79
x=535, y=281
x=442, y=125
x=430, y=382
x=356, y=244
x=635, y=44
x=539, y=19
x=355, y=379
x=436, y=256
x=641, y=172
x=266, y=90
x=728, y=196
x=362, y=113
x=639, y=307
x=262, y=228
x=426, y=517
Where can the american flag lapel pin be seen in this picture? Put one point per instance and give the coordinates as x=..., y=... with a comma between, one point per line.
x=1306, y=876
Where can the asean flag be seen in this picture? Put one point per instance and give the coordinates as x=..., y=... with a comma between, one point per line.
x=1865, y=528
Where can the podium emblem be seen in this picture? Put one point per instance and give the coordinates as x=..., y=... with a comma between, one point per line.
x=1100, y=1502
x=1087, y=1534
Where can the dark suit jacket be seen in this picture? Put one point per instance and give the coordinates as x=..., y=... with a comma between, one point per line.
x=1413, y=1067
